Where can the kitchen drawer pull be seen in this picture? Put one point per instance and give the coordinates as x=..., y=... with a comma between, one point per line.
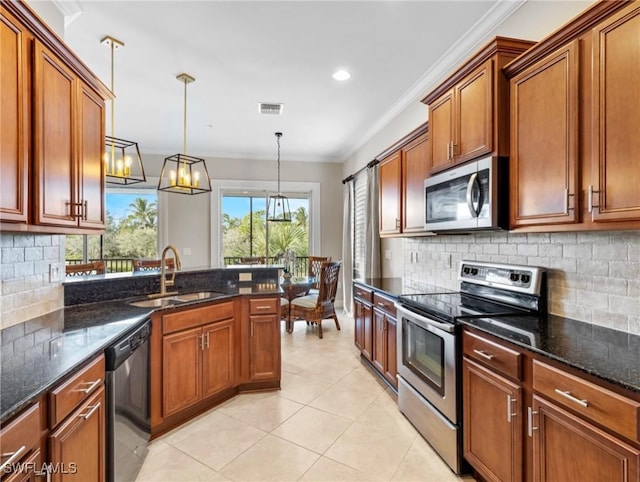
x=530, y=427
x=567, y=394
x=263, y=307
x=90, y=412
x=90, y=387
x=483, y=354
x=13, y=456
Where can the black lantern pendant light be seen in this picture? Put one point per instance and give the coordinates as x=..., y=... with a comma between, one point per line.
x=122, y=161
x=181, y=173
x=278, y=206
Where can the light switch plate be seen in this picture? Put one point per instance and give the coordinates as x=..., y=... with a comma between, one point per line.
x=55, y=272
x=244, y=277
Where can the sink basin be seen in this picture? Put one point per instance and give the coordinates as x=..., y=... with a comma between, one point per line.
x=155, y=303
x=201, y=295
x=176, y=299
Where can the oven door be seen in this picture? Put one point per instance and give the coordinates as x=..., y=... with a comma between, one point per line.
x=464, y=198
x=427, y=359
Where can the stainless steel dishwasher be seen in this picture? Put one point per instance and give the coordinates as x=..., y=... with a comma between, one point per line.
x=128, y=420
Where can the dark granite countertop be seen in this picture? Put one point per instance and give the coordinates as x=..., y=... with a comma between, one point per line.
x=391, y=286
x=39, y=353
x=610, y=355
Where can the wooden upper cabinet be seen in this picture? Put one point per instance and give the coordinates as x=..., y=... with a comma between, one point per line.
x=544, y=140
x=616, y=117
x=469, y=112
x=14, y=119
x=55, y=156
x=415, y=169
x=390, y=185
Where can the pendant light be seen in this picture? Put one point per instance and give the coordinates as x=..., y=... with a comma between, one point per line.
x=122, y=161
x=181, y=173
x=278, y=206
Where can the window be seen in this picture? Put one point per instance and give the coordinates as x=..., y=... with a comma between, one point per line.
x=131, y=231
x=245, y=232
x=359, y=224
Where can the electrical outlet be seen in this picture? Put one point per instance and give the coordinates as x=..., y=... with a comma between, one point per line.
x=186, y=251
x=244, y=276
x=447, y=260
x=55, y=272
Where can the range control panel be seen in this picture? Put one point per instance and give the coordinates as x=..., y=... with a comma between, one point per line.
x=525, y=279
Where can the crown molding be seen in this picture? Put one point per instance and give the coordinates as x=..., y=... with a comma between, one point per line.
x=70, y=9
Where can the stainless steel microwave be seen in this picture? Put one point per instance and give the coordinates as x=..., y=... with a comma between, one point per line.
x=471, y=197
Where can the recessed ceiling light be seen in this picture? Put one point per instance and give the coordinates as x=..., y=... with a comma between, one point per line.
x=341, y=75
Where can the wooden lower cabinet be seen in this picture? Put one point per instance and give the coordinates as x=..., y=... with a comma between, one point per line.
x=384, y=345
x=565, y=448
x=493, y=441
x=264, y=353
x=77, y=446
x=218, y=358
x=31, y=471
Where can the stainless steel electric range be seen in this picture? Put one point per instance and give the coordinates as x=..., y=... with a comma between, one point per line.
x=428, y=343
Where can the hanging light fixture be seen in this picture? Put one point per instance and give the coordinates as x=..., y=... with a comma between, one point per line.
x=181, y=173
x=122, y=161
x=278, y=206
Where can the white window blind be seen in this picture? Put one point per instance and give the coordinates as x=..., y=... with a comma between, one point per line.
x=359, y=221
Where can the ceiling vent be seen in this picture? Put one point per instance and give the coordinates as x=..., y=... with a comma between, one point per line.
x=267, y=108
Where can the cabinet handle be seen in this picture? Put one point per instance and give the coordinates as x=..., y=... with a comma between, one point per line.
x=13, y=456
x=91, y=386
x=397, y=223
x=263, y=307
x=453, y=149
x=202, y=342
x=590, y=193
x=566, y=201
x=530, y=427
x=90, y=412
x=483, y=354
x=567, y=394
x=84, y=210
x=510, y=412
x=207, y=339
x=448, y=150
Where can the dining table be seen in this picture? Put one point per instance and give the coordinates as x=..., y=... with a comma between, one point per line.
x=294, y=287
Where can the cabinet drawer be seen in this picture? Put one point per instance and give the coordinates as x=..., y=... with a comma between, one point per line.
x=196, y=317
x=263, y=306
x=363, y=293
x=20, y=436
x=618, y=413
x=66, y=397
x=384, y=303
x=498, y=357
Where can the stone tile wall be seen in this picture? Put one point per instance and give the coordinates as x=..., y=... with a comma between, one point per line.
x=25, y=290
x=593, y=277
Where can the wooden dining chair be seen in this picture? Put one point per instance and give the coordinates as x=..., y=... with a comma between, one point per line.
x=315, y=308
x=85, y=269
x=151, y=264
x=315, y=264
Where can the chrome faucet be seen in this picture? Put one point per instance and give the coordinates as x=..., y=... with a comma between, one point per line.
x=164, y=281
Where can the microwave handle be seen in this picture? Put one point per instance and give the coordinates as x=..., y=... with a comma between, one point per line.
x=473, y=181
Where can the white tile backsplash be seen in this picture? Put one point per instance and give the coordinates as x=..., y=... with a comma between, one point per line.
x=25, y=290
x=593, y=277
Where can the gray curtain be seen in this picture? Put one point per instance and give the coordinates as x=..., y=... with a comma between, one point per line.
x=347, y=247
x=372, y=226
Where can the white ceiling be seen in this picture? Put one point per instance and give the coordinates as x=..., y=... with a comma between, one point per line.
x=243, y=52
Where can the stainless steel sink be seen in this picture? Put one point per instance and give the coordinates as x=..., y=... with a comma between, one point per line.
x=176, y=299
x=201, y=295
x=155, y=303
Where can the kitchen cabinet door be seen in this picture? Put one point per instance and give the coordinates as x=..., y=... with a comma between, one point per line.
x=77, y=446
x=390, y=186
x=566, y=447
x=358, y=319
x=415, y=169
x=28, y=473
x=181, y=370
x=379, y=340
x=90, y=170
x=264, y=347
x=368, y=330
x=492, y=429
x=391, y=355
x=616, y=118
x=473, y=117
x=14, y=118
x=218, y=357
x=55, y=137
x=441, y=112
x=544, y=141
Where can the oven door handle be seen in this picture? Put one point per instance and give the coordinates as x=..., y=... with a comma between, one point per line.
x=446, y=327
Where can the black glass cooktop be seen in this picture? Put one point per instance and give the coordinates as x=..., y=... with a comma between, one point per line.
x=450, y=306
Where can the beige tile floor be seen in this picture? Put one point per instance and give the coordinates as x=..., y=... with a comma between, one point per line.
x=333, y=420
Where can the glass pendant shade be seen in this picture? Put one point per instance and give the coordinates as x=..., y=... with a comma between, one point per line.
x=184, y=174
x=122, y=160
x=278, y=205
